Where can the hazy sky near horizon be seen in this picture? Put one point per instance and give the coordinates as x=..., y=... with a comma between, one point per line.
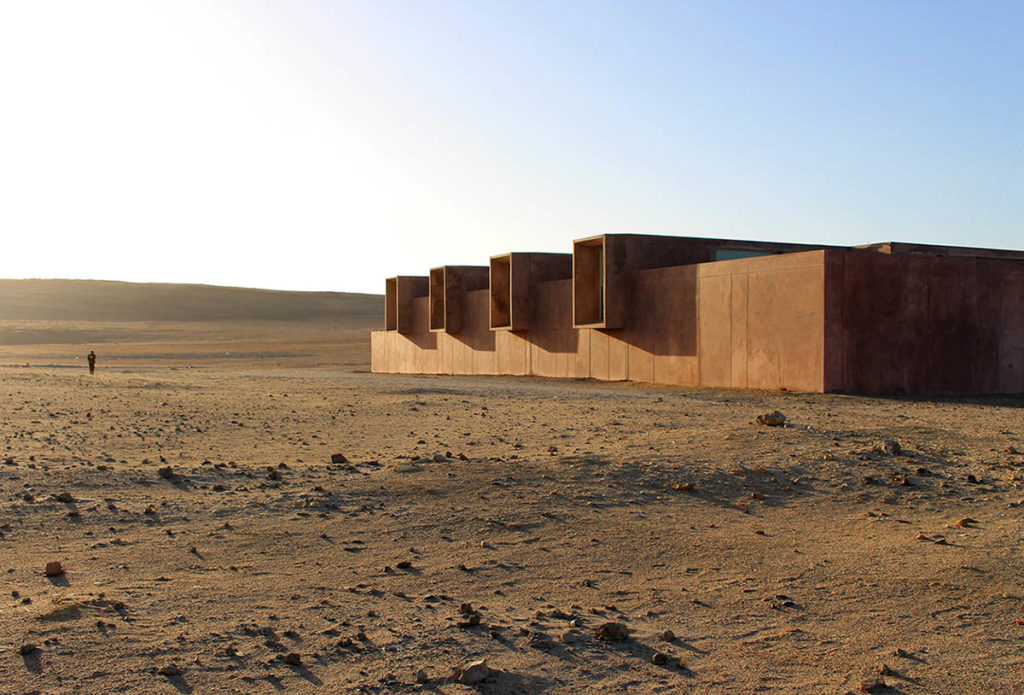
x=315, y=145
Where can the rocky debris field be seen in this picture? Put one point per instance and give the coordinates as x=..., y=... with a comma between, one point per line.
x=244, y=530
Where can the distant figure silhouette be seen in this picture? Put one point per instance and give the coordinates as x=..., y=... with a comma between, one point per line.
x=92, y=362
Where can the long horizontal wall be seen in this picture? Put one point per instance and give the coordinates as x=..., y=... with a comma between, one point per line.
x=750, y=322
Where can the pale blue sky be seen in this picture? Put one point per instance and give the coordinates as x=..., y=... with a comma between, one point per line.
x=328, y=145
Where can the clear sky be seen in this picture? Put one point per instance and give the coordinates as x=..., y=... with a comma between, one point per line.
x=328, y=145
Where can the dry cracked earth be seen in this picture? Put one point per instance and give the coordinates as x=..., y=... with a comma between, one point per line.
x=574, y=536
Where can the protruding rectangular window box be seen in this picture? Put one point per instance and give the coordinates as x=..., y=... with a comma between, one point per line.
x=398, y=301
x=448, y=287
x=511, y=278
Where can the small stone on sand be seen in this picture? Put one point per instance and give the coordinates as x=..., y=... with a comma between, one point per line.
x=772, y=419
x=473, y=672
x=611, y=632
x=889, y=447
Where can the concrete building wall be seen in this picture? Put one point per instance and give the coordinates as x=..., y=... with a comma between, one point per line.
x=882, y=319
x=909, y=323
x=747, y=322
x=761, y=322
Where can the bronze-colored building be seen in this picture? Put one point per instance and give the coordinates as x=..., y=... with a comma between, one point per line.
x=888, y=318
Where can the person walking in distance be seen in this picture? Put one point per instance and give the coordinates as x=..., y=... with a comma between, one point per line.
x=92, y=361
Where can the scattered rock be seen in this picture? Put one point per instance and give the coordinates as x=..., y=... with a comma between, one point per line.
x=889, y=447
x=972, y=479
x=439, y=458
x=611, y=632
x=470, y=621
x=668, y=636
x=659, y=658
x=65, y=497
x=338, y=458
x=27, y=648
x=966, y=522
x=683, y=487
x=873, y=685
x=473, y=672
x=422, y=677
x=166, y=472
x=54, y=568
x=293, y=659
x=170, y=670
x=772, y=419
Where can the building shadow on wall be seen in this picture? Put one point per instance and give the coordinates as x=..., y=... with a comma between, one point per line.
x=424, y=341
x=565, y=341
x=662, y=312
x=482, y=341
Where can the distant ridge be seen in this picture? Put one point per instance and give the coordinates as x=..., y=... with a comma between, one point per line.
x=108, y=301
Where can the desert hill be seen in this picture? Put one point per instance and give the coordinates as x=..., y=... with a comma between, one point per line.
x=57, y=321
x=96, y=300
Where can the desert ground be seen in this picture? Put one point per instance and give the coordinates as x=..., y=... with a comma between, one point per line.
x=575, y=536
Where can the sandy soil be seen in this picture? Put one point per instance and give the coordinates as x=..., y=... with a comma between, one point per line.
x=210, y=545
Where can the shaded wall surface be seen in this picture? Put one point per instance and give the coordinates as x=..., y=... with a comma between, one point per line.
x=908, y=323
